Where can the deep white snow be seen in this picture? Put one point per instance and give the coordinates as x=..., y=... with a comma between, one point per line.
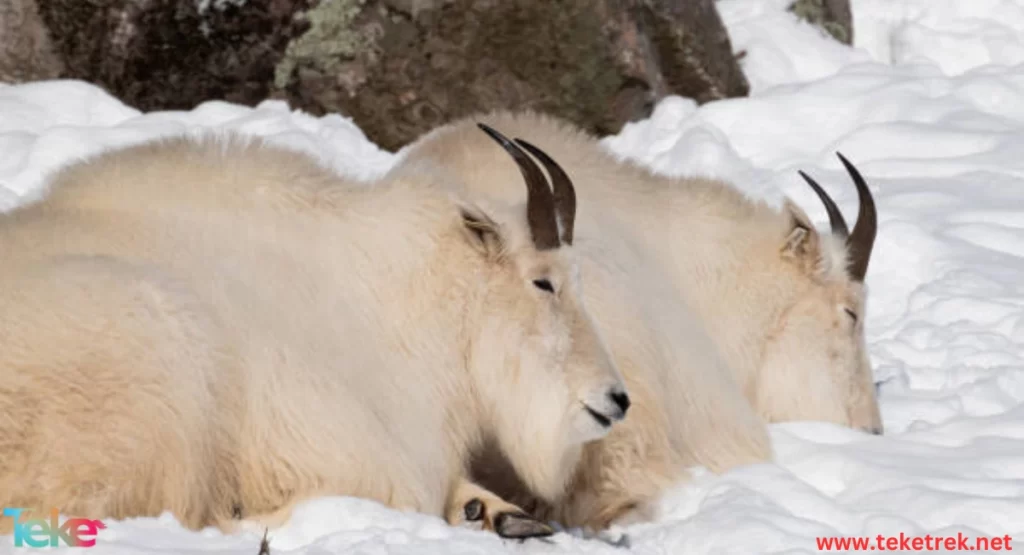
x=929, y=105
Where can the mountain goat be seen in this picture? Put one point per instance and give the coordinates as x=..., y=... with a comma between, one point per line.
x=221, y=328
x=780, y=304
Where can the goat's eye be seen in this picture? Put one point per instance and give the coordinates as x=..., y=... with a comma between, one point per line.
x=544, y=285
x=851, y=314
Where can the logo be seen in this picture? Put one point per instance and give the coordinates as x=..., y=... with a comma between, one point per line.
x=75, y=532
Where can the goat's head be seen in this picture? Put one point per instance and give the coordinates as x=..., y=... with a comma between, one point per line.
x=818, y=345
x=541, y=368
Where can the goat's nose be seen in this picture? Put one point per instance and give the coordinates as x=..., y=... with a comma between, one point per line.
x=621, y=399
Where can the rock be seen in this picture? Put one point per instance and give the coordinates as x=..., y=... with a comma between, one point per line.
x=173, y=54
x=694, y=47
x=834, y=16
x=401, y=67
x=26, y=52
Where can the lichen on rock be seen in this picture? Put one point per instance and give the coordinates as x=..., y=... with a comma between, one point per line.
x=401, y=67
x=330, y=39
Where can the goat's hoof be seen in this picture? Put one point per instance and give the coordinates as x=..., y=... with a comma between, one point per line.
x=473, y=510
x=520, y=526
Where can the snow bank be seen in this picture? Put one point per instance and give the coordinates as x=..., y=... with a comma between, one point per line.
x=928, y=106
x=46, y=125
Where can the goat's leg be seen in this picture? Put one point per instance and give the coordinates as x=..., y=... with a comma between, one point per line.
x=469, y=502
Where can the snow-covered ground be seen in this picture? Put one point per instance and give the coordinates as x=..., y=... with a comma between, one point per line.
x=929, y=105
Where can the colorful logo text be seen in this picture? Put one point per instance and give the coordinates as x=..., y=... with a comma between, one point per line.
x=75, y=532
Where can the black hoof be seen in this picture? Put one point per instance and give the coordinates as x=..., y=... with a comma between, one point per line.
x=520, y=526
x=473, y=510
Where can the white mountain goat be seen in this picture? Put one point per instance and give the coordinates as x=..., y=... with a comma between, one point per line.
x=221, y=329
x=783, y=304
x=687, y=408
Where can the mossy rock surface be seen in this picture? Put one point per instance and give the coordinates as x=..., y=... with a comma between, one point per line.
x=401, y=67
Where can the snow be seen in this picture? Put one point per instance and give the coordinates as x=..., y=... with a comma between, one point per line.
x=927, y=104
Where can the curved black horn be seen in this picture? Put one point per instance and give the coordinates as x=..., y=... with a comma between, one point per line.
x=540, y=202
x=565, y=193
x=835, y=217
x=862, y=238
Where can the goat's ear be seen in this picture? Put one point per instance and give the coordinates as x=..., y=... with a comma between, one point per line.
x=802, y=244
x=483, y=233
